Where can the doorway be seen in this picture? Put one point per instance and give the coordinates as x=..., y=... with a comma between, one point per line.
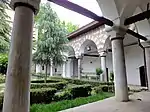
x=107, y=74
x=142, y=76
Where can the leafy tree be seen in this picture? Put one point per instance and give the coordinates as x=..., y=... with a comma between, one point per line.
x=51, y=38
x=4, y=28
x=70, y=27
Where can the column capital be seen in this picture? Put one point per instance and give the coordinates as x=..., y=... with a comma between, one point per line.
x=33, y=4
x=80, y=56
x=117, y=37
x=103, y=54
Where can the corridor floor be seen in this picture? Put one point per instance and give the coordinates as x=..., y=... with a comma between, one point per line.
x=139, y=102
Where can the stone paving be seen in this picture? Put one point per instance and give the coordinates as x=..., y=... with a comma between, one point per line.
x=139, y=102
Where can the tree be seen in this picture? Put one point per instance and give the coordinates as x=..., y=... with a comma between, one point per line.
x=51, y=38
x=99, y=71
x=70, y=27
x=4, y=28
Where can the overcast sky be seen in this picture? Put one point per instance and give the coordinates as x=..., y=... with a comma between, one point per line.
x=70, y=16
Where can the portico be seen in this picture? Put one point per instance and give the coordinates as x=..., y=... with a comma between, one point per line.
x=88, y=41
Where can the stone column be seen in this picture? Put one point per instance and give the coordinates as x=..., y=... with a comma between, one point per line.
x=103, y=67
x=51, y=68
x=147, y=55
x=119, y=69
x=70, y=67
x=17, y=91
x=64, y=70
x=75, y=67
x=79, y=66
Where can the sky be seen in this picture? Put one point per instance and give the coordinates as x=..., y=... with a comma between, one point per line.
x=70, y=16
x=75, y=18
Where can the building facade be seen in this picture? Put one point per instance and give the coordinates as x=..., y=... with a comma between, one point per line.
x=91, y=47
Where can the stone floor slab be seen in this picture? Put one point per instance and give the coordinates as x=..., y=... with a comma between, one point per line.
x=139, y=102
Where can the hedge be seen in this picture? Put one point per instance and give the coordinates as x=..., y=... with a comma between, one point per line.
x=66, y=104
x=64, y=95
x=43, y=95
x=74, y=92
x=80, y=91
x=47, y=81
x=36, y=96
x=103, y=88
x=81, y=82
x=57, y=85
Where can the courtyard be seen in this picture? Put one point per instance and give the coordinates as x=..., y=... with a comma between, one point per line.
x=139, y=102
x=96, y=59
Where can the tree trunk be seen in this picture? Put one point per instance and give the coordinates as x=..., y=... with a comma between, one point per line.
x=46, y=73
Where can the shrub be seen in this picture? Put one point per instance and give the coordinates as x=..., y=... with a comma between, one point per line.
x=82, y=82
x=80, y=91
x=57, y=85
x=43, y=95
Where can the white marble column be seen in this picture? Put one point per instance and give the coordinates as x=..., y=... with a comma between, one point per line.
x=103, y=66
x=147, y=54
x=75, y=67
x=64, y=70
x=79, y=66
x=51, y=68
x=70, y=67
x=17, y=90
x=119, y=69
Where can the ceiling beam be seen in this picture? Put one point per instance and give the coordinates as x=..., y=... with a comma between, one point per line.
x=76, y=8
x=138, y=17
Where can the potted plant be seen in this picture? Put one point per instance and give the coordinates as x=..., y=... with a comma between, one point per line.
x=112, y=80
x=112, y=77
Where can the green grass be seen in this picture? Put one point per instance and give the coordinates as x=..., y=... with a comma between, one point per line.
x=66, y=104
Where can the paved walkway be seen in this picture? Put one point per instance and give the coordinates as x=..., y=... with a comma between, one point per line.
x=140, y=102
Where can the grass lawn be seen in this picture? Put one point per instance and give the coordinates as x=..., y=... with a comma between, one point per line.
x=66, y=104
